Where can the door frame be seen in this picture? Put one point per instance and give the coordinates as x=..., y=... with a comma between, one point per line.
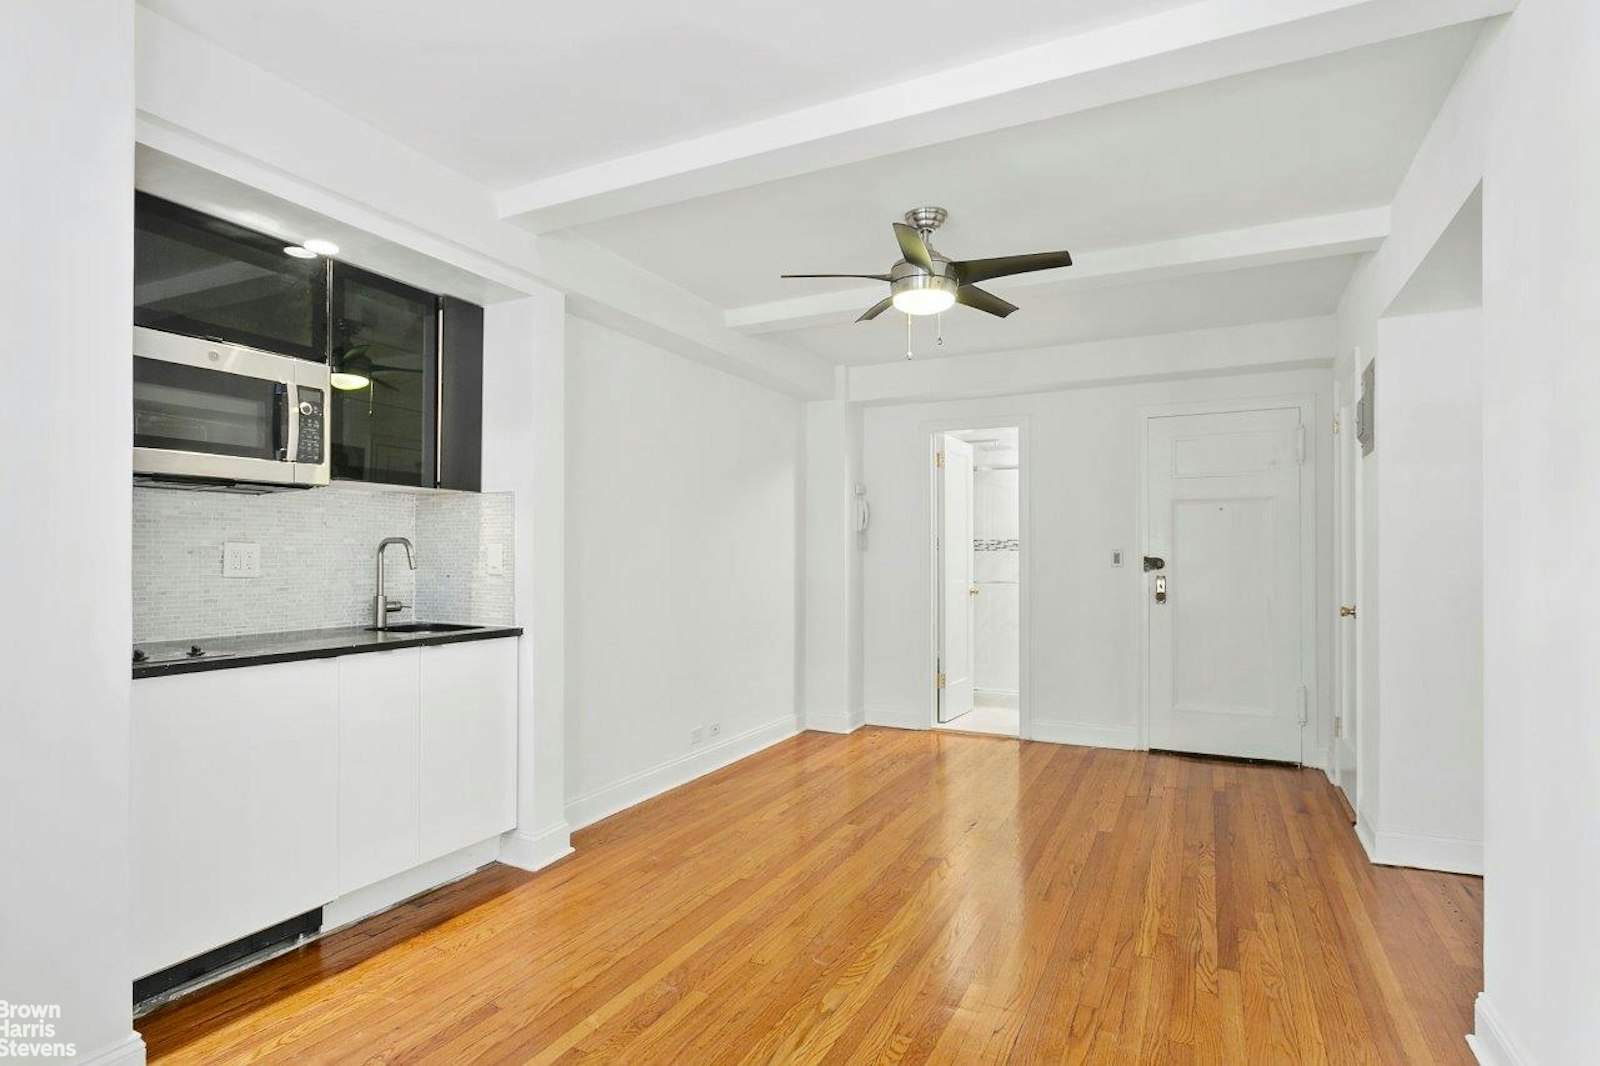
x=1346, y=650
x=931, y=432
x=1307, y=404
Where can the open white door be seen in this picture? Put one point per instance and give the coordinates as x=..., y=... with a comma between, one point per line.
x=1225, y=614
x=955, y=578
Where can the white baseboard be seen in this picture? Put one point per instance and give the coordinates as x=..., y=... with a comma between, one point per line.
x=899, y=717
x=129, y=1051
x=1490, y=1041
x=1085, y=734
x=1451, y=855
x=838, y=722
x=1368, y=839
x=998, y=697
x=365, y=902
x=636, y=788
x=537, y=850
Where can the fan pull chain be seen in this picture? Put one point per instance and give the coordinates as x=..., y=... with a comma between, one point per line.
x=938, y=325
x=908, y=336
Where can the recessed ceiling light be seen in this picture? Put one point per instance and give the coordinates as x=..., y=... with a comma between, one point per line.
x=299, y=252
x=320, y=246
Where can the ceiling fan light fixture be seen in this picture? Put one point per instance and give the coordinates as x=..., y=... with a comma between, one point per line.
x=345, y=381
x=924, y=294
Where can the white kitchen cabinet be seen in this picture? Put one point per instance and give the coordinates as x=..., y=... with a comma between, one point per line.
x=379, y=738
x=469, y=743
x=233, y=792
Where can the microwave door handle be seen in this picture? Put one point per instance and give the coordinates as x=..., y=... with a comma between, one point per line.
x=284, y=421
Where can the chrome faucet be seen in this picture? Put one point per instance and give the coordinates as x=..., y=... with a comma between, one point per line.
x=382, y=606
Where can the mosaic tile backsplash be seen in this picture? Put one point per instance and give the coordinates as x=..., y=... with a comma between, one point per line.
x=317, y=550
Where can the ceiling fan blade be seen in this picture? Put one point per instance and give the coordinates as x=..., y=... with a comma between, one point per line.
x=912, y=247
x=974, y=297
x=874, y=277
x=972, y=271
x=876, y=309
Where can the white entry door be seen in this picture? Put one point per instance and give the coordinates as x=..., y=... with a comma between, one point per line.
x=955, y=579
x=1225, y=610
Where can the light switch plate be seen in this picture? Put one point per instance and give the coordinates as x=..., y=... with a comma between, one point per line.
x=1116, y=557
x=241, y=559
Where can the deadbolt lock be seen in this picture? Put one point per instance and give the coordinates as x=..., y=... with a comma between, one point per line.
x=1161, y=588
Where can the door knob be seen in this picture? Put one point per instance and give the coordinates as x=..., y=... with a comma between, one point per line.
x=973, y=591
x=1347, y=610
x=1161, y=588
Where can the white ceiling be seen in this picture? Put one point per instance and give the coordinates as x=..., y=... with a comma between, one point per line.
x=506, y=91
x=1311, y=138
x=1199, y=301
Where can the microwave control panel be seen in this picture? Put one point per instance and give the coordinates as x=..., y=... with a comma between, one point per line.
x=309, y=447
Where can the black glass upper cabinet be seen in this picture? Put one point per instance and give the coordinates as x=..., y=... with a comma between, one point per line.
x=205, y=277
x=384, y=358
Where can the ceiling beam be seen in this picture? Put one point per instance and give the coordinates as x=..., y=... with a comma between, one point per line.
x=1196, y=43
x=1317, y=237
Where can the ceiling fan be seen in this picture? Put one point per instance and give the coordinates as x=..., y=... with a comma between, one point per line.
x=924, y=282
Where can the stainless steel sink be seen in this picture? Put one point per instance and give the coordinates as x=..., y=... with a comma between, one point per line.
x=423, y=627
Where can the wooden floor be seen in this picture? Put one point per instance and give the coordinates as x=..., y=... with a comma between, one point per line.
x=894, y=896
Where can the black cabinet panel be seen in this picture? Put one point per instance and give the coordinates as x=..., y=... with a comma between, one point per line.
x=385, y=364
x=460, y=395
x=204, y=277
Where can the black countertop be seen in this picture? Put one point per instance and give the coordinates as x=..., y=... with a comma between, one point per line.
x=169, y=657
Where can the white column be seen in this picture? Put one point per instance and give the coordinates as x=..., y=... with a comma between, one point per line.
x=832, y=565
x=66, y=268
x=524, y=452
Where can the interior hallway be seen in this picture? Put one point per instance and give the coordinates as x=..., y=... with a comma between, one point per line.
x=909, y=896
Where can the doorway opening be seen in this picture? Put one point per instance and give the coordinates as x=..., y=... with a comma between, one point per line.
x=978, y=557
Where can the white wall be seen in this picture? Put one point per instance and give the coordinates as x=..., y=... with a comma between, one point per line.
x=1081, y=457
x=1424, y=757
x=1520, y=121
x=1541, y=514
x=66, y=133
x=683, y=537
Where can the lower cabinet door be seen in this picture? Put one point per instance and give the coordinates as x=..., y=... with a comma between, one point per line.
x=233, y=788
x=378, y=765
x=469, y=743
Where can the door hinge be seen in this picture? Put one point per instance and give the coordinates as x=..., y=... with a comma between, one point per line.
x=1335, y=425
x=1338, y=725
x=1305, y=705
x=938, y=680
x=938, y=459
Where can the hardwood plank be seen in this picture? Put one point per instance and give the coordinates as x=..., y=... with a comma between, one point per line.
x=898, y=897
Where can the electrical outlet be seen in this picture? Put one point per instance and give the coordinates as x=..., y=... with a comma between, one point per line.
x=696, y=735
x=241, y=560
x=715, y=730
x=494, y=559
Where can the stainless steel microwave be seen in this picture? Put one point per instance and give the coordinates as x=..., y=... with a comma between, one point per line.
x=223, y=415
